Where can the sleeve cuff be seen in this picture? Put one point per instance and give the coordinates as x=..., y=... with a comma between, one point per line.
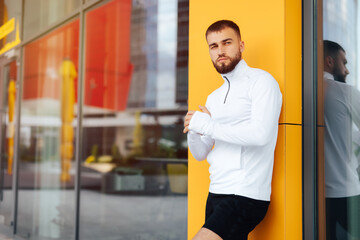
x=200, y=123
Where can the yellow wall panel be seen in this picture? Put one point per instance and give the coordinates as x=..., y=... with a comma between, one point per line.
x=293, y=187
x=272, y=227
x=293, y=71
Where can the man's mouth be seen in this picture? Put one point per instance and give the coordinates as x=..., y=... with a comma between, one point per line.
x=222, y=59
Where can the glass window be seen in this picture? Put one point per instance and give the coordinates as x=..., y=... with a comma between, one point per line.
x=134, y=154
x=341, y=104
x=46, y=196
x=7, y=124
x=39, y=14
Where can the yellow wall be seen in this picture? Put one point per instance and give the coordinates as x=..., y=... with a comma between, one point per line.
x=272, y=34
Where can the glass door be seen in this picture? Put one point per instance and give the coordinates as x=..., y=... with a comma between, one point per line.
x=46, y=187
x=339, y=101
x=7, y=124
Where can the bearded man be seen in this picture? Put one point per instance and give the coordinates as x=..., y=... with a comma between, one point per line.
x=236, y=131
x=342, y=113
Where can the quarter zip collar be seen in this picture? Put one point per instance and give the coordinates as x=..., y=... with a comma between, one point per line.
x=239, y=69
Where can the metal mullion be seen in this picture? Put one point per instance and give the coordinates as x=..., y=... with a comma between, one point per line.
x=309, y=96
x=20, y=72
x=2, y=128
x=79, y=124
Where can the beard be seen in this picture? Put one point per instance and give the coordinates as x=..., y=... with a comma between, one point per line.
x=338, y=76
x=222, y=68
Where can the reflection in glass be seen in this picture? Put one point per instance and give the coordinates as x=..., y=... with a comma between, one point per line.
x=342, y=119
x=134, y=154
x=7, y=141
x=40, y=14
x=46, y=166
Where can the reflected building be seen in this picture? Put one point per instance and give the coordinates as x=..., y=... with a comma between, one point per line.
x=144, y=53
x=159, y=52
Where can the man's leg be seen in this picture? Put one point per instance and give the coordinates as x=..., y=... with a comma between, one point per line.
x=336, y=213
x=206, y=234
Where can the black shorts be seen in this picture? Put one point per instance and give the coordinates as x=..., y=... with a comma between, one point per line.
x=233, y=217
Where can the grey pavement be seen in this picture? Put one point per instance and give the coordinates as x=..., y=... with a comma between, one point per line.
x=49, y=214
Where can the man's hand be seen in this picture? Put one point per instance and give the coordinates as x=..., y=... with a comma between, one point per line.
x=205, y=110
x=187, y=120
x=190, y=114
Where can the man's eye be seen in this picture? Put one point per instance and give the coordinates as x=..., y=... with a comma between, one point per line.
x=227, y=43
x=213, y=47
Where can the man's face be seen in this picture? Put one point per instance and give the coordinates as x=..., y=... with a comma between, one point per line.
x=340, y=71
x=225, y=49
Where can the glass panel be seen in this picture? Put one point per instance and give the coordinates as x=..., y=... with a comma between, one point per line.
x=39, y=14
x=46, y=202
x=7, y=142
x=134, y=158
x=341, y=102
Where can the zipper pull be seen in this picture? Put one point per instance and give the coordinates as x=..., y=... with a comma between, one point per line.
x=228, y=89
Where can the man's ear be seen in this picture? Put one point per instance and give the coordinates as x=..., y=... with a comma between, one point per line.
x=242, y=46
x=329, y=61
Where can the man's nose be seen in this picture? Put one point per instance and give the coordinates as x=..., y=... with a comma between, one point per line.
x=221, y=50
x=347, y=71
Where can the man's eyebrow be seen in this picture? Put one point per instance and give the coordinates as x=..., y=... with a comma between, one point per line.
x=212, y=44
x=225, y=40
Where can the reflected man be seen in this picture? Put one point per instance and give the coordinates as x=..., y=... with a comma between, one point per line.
x=342, y=111
x=240, y=120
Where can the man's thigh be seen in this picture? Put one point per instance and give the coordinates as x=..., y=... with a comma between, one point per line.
x=206, y=234
x=233, y=217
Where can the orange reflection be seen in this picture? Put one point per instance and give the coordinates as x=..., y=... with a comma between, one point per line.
x=10, y=135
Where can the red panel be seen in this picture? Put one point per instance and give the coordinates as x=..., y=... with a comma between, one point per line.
x=108, y=69
x=43, y=59
x=13, y=71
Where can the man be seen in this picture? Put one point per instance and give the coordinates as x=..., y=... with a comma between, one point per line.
x=342, y=110
x=240, y=120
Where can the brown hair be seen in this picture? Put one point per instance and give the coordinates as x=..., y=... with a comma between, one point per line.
x=332, y=49
x=220, y=25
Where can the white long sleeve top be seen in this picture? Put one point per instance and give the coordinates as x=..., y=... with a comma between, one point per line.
x=239, y=137
x=342, y=110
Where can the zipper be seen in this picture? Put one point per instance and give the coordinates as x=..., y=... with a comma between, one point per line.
x=227, y=90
